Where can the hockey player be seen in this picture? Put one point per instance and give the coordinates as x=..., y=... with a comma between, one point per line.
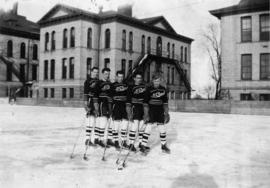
x=91, y=104
x=135, y=98
x=119, y=114
x=105, y=106
x=156, y=105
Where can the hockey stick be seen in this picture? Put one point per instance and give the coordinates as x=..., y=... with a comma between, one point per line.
x=123, y=165
x=104, y=151
x=121, y=148
x=76, y=141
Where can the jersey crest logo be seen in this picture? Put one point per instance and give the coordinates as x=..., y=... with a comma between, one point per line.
x=105, y=87
x=158, y=94
x=121, y=88
x=139, y=90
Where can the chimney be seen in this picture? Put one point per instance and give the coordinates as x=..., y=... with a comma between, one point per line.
x=125, y=10
x=15, y=9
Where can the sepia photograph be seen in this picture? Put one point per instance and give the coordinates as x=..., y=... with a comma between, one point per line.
x=134, y=94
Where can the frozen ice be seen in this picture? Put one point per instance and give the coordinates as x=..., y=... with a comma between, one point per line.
x=207, y=151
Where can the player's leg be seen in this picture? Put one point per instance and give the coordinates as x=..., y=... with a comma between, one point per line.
x=124, y=126
x=162, y=130
x=103, y=121
x=116, y=125
x=90, y=124
x=132, y=134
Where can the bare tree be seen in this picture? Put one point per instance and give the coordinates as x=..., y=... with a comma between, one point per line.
x=209, y=91
x=212, y=46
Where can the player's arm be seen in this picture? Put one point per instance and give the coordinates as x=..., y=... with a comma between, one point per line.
x=166, y=107
x=146, y=106
x=110, y=99
x=95, y=99
x=128, y=103
x=86, y=97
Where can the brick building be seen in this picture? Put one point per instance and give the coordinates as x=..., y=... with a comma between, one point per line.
x=73, y=40
x=245, y=46
x=19, y=54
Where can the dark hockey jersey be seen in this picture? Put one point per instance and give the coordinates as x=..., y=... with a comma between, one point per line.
x=136, y=94
x=91, y=89
x=156, y=96
x=105, y=91
x=119, y=92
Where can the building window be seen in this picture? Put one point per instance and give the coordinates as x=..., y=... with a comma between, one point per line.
x=130, y=42
x=71, y=93
x=124, y=40
x=143, y=44
x=246, y=67
x=185, y=55
x=72, y=37
x=168, y=50
x=246, y=30
x=35, y=52
x=265, y=66
x=45, y=92
x=123, y=65
x=53, y=41
x=264, y=27
x=173, y=49
x=46, y=41
x=181, y=54
x=52, y=71
x=46, y=66
x=130, y=66
x=71, y=68
x=159, y=46
x=65, y=38
x=34, y=71
x=245, y=97
x=10, y=48
x=22, y=71
x=107, y=38
x=89, y=38
x=107, y=63
x=23, y=50
x=172, y=95
x=148, y=73
x=264, y=97
x=64, y=68
x=172, y=75
x=9, y=72
x=88, y=67
x=64, y=93
x=168, y=75
x=52, y=92
x=149, y=45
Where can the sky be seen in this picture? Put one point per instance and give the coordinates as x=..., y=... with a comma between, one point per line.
x=188, y=17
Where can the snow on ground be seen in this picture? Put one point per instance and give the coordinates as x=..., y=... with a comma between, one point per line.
x=208, y=151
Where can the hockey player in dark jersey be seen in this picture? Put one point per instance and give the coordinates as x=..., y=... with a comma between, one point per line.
x=105, y=107
x=91, y=104
x=135, y=98
x=119, y=114
x=156, y=106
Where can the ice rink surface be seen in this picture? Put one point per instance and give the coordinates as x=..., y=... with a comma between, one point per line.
x=208, y=151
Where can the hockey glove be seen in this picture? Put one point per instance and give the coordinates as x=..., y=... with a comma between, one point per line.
x=166, y=118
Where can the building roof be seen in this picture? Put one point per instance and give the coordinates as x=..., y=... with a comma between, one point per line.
x=244, y=6
x=13, y=24
x=72, y=13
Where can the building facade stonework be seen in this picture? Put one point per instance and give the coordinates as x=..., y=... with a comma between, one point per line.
x=73, y=40
x=19, y=54
x=245, y=46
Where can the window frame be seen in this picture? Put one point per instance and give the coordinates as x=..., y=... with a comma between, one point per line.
x=268, y=77
x=107, y=42
x=242, y=38
x=260, y=20
x=242, y=78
